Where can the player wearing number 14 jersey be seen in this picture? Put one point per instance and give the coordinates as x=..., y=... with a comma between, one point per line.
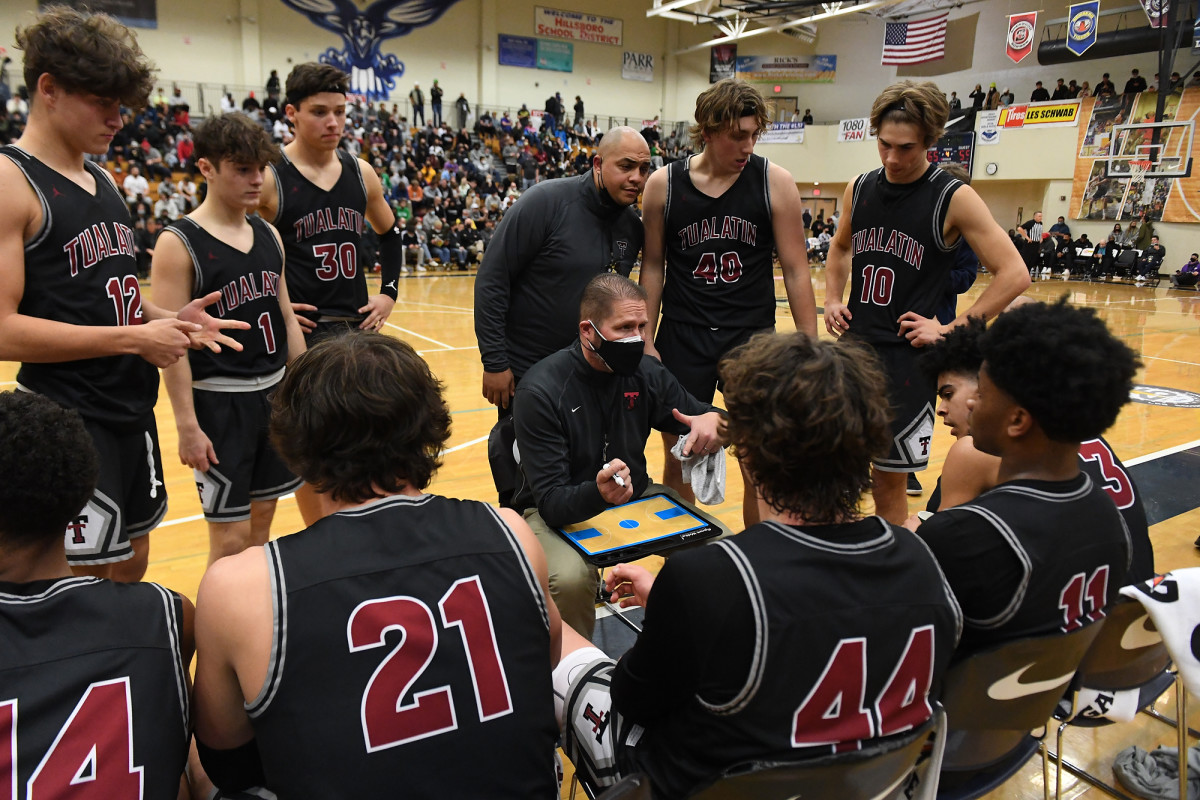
x=402, y=644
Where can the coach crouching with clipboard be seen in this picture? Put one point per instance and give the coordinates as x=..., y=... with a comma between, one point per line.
x=582, y=417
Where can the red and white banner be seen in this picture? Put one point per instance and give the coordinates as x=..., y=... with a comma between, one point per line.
x=1022, y=32
x=1156, y=12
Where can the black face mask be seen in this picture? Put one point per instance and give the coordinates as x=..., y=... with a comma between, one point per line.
x=622, y=356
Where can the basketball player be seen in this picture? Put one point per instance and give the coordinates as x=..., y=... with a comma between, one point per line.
x=95, y=697
x=968, y=473
x=828, y=632
x=896, y=243
x=71, y=309
x=713, y=223
x=397, y=639
x=317, y=199
x=222, y=401
x=1045, y=550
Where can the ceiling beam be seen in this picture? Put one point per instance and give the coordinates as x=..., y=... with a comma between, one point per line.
x=746, y=34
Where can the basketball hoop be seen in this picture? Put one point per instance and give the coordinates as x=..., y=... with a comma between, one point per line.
x=1138, y=169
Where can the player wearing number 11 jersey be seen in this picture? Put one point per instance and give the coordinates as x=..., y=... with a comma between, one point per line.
x=402, y=636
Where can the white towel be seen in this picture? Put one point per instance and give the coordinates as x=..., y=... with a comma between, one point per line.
x=1173, y=602
x=705, y=473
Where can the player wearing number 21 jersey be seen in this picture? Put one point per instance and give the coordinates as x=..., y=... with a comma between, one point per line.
x=403, y=635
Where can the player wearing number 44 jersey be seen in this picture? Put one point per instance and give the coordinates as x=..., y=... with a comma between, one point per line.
x=93, y=674
x=896, y=243
x=828, y=631
x=222, y=401
x=1045, y=550
x=401, y=636
x=713, y=224
x=71, y=309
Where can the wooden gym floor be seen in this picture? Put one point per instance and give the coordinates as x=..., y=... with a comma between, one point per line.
x=1160, y=443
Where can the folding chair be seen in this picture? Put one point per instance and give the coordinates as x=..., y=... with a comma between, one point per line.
x=874, y=773
x=994, y=699
x=1128, y=654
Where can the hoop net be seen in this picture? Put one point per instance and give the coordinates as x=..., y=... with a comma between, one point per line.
x=1138, y=169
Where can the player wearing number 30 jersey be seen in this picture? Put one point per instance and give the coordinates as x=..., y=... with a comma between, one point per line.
x=398, y=638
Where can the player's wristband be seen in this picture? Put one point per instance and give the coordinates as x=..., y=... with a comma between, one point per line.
x=391, y=258
x=235, y=769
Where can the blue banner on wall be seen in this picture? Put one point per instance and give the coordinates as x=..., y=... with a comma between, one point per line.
x=1082, y=26
x=518, y=51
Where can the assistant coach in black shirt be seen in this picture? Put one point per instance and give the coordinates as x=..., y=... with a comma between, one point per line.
x=550, y=243
x=582, y=416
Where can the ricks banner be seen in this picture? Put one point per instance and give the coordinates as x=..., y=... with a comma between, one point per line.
x=1081, y=28
x=1021, y=35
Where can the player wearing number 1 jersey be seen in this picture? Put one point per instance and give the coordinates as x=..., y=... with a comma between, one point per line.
x=93, y=674
x=222, y=401
x=1045, y=550
x=714, y=223
x=402, y=636
x=71, y=309
x=819, y=631
x=896, y=244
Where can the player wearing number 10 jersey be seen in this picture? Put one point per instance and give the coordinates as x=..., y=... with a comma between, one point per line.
x=401, y=636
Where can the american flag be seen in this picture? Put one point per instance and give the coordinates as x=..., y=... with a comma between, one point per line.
x=915, y=42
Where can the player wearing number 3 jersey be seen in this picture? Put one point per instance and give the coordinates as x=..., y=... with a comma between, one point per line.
x=896, y=244
x=222, y=400
x=401, y=636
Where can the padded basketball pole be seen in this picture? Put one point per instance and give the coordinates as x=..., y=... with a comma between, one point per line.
x=1168, y=45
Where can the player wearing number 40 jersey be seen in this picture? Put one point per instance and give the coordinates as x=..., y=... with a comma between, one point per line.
x=828, y=631
x=1045, y=550
x=896, y=243
x=713, y=225
x=93, y=674
x=398, y=638
x=71, y=309
x=222, y=401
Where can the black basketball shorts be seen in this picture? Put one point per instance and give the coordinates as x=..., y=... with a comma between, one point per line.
x=130, y=497
x=692, y=352
x=911, y=396
x=249, y=467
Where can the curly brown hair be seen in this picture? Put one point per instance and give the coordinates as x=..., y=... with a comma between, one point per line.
x=86, y=53
x=920, y=104
x=721, y=106
x=236, y=138
x=806, y=417
x=359, y=416
x=311, y=78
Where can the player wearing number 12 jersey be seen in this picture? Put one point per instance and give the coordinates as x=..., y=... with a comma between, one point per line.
x=93, y=674
x=896, y=244
x=71, y=309
x=1045, y=550
x=829, y=631
x=397, y=639
x=713, y=225
x=222, y=400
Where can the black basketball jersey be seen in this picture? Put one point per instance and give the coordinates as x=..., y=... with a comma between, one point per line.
x=92, y=688
x=900, y=260
x=249, y=287
x=1106, y=471
x=854, y=627
x=80, y=269
x=321, y=232
x=1031, y=557
x=411, y=639
x=718, y=250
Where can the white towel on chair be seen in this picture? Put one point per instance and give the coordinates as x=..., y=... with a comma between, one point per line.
x=705, y=473
x=1173, y=602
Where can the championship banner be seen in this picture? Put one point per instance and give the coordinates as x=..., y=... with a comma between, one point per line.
x=1021, y=35
x=783, y=133
x=576, y=26
x=1082, y=26
x=637, y=67
x=722, y=61
x=1156, y=12
x=1045, y=115
x=786, y=69
x=989, y=127
x=854, y=130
